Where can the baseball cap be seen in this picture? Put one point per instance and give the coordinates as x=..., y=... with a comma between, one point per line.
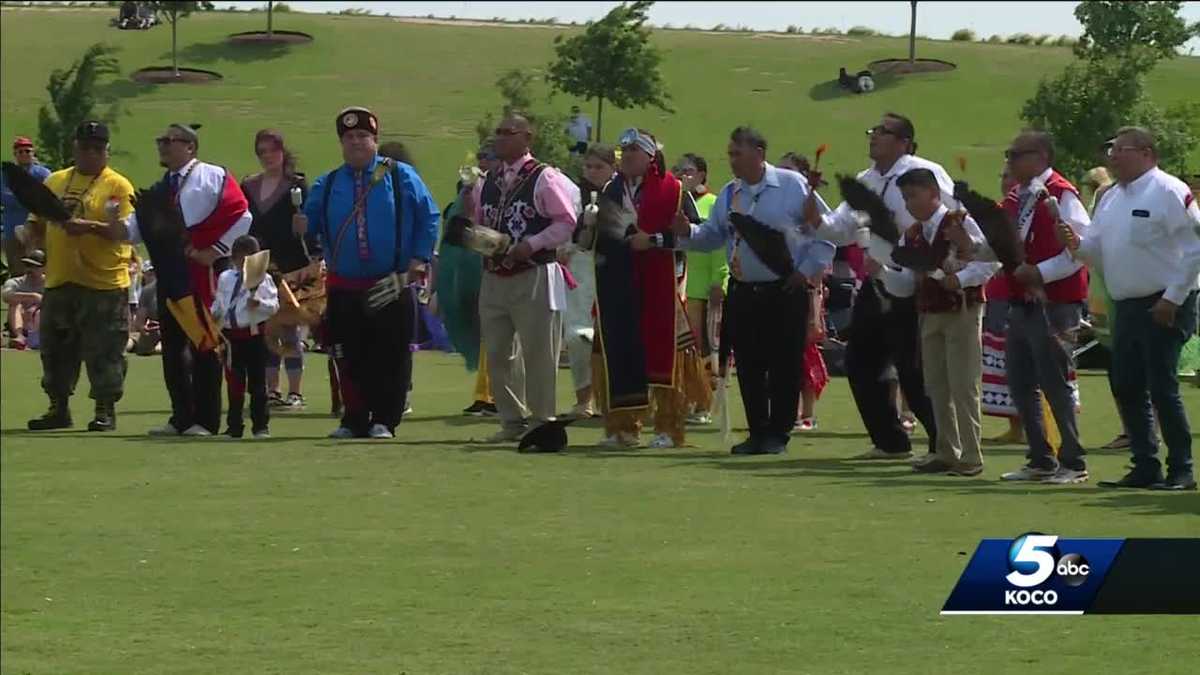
x=36, y=258
x=91, y=130
x=22, y=142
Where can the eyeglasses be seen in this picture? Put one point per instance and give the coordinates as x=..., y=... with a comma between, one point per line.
x=881, y=130
x=628, y=137
x=1110, y=150
x=1013, y=154
x=501, y=131
x=167, y=140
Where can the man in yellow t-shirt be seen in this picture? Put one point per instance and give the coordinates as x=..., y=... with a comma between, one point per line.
x=85, y=310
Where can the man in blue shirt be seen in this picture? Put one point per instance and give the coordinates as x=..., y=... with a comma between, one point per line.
x=378, y=224
x=773, y=262
x=15, y=214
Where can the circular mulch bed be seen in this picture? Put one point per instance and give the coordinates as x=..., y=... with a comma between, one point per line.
x=903, y=67
x=166, y=75
x=258, y=37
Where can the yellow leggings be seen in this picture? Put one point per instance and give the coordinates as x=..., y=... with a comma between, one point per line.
x=483, y=386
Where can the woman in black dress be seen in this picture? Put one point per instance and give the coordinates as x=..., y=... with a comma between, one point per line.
x=271, y=204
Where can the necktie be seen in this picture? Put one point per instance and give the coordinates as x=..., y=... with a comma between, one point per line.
x=174, y=181
x=232, y=313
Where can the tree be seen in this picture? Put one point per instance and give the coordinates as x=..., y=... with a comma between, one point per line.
x=72, y=97
x=611, y=60
x=912, y=35
x=550, y=140
x=1091, y=99
x=270, y=19
x=1142, y=31
x=172, y=12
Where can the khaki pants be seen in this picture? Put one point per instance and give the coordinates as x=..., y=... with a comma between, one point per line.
x=519, y=307
x=952, y=363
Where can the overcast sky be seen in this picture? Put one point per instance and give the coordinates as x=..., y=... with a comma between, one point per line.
x=934, y=19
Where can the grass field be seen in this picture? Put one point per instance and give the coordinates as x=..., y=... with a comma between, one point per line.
x=430, y=84
x=432, y=554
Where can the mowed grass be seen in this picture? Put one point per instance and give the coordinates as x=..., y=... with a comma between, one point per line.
x=434, y=554
x=430, y=84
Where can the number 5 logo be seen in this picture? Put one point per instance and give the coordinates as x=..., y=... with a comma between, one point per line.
x=1031, y=564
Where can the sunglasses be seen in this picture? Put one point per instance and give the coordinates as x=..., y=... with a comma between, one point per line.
x=882, y=130
x=167, y=140
x=501, y=131
x=1013, y=154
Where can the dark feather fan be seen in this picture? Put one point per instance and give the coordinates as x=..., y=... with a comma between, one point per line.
x=165, y=235
x=998, y=229
x=861, y=198
x=923, y=259
x=33, y=195
x=768, y=244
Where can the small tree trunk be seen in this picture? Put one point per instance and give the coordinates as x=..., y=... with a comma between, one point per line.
x=270, y=12
x=599, y=118
x=174, y=47
x=912, y=35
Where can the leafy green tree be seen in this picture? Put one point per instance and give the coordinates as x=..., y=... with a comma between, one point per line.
x=172, y=12
x=72, y=100
x=612, y=60
x=550, y=140
x=1143, y=31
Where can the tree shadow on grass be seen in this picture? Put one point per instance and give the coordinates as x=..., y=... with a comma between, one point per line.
x=830, y=90
x=212, y=52
x=1148, y=503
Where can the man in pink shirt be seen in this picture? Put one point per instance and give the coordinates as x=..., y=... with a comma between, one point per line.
x=524, y=291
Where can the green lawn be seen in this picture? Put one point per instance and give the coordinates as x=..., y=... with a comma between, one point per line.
x=431, y=554
x=430, y=84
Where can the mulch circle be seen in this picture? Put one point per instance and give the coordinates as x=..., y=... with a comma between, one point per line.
x=903, y=67
x=289, y=37
x=166, y=75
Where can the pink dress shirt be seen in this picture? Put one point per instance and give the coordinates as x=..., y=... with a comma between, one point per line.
x=554, y=196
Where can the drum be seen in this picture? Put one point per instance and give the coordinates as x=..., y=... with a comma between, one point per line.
x=302, y=299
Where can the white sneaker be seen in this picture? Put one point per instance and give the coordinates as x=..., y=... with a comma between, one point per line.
x=619, y=441
x=341, y=432
x=876, y=453
x=165, y=430
x=1065, y=476
x=197, y=431
x=262, y=434
x=1028, y=473
x=699, y=419
x=662, y=441
x=379, y=431
x=582, y=411
x=294, y=402
x=407, y=408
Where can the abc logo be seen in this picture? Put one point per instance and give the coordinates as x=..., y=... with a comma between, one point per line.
x=1033, y=559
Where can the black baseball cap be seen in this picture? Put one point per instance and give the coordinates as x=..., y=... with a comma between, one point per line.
x=91, y=130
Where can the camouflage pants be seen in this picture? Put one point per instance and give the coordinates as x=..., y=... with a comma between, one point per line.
x=84, y=325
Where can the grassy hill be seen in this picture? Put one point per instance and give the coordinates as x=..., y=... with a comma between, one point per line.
x=431, y=83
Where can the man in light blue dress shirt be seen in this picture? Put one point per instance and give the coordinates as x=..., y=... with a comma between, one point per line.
x=768, y=302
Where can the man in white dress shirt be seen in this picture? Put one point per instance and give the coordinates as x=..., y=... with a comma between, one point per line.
x=1145, y=239
x=883, y=328
x=216, y=213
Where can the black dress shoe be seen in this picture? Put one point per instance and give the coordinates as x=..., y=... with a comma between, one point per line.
x=58, y=417
x=773, y=446
x=750, y=446
x=1180, y=482
x=1134, y=479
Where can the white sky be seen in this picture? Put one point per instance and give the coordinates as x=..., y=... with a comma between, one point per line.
x=934, y=19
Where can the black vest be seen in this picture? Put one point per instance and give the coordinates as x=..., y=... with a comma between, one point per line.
x=514, y=214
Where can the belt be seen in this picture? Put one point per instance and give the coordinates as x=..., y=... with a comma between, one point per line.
x=758, y=286
x=243, y=333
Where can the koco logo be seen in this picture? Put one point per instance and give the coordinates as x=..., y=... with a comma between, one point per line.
x=1033, y=559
